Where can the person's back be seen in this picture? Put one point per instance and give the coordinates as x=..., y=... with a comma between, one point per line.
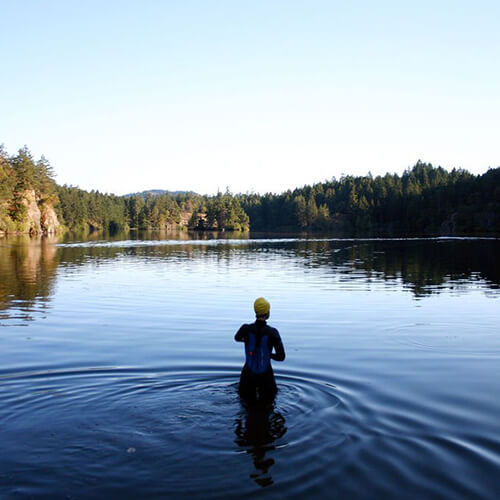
x=262, y=343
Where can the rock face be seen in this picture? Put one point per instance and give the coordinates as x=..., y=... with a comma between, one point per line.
x=33, y=213
x=48, y=220
x=40, y=215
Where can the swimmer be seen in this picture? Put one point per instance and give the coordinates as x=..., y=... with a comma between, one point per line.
x=257, y=377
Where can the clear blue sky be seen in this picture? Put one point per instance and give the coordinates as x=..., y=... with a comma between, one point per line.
x=256, y=95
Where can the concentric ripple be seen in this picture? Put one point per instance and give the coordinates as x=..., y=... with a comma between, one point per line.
x=181, y=432
x=184, y=433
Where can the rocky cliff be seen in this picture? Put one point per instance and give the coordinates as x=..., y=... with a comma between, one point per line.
x=48, y=219
x=33, y=214
x=39, y=216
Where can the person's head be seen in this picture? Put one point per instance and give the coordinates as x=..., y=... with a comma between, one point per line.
x=262, y=308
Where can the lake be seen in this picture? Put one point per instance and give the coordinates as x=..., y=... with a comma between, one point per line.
x=119, y=369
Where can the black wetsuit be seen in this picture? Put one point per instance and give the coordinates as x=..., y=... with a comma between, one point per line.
x=260, y=386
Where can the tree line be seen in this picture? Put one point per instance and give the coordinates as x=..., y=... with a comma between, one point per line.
x=423, y=200
x=80, y=210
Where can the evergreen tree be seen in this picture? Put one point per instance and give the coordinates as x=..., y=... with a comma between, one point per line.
x=300, y=207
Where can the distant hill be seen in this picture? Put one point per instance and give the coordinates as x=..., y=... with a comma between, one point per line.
x=158, y=192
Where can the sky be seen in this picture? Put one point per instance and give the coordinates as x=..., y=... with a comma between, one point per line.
x=257, y=96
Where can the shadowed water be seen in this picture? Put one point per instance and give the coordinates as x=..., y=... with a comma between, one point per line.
x=118, y=373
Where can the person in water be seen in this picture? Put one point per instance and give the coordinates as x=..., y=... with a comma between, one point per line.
x=257, y=376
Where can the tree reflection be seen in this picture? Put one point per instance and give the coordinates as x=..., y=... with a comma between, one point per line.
x=28, y=269
x=28, y=266
x=424, y=266
x=257, y=428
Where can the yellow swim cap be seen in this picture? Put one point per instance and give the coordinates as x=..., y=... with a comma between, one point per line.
x=261, y=306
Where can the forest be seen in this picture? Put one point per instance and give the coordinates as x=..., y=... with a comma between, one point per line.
x=424, y=200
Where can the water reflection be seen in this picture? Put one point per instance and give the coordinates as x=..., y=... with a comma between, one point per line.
x=257, y=428
x=27, y=275
x=423, y=265
x=28, y=266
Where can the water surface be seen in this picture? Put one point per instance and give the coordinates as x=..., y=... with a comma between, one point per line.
x=118, y=373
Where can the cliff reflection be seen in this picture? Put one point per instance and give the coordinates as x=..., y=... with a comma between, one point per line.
x=27, y=274
x=257, y=428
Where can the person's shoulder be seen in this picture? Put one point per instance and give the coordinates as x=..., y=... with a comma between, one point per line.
x=272, y=330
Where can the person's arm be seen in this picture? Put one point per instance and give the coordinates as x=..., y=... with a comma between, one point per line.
x=279, y=354
x=241, y=334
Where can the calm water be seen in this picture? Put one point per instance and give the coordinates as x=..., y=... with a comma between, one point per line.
x=118, y=369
